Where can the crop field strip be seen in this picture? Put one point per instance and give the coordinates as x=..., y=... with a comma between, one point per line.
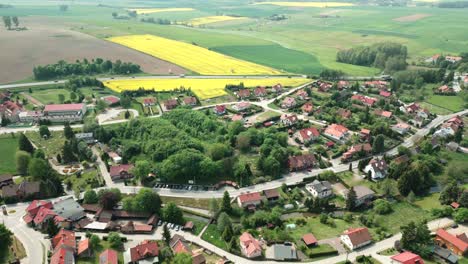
x=144, y=11
x=192, y=57
x=203, y=88
x=213, y=19
x=307, y=4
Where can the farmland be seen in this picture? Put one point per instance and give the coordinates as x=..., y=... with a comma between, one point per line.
x=307, y=4
x=8, y=145
x=192, y=57
x=212, y=19
x=203, y=88
x=143, y=11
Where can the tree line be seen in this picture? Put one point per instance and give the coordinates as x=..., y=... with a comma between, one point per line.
x=95, y=66
x=387, y=56
x=9, y=21
x=455, y=4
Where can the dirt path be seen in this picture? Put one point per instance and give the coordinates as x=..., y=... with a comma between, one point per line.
x=32, y=100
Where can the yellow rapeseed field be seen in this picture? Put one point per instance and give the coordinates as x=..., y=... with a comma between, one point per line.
x=203, y=88
x=306, y=4
x=212, y=19
x=192, y=57
x=144, y=11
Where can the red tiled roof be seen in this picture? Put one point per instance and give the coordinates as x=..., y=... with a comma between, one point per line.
x=83, y=246
x=250, y=197
x=455, y=241
x=35, y=205
x=336, y=130
x=250, y=243
x=407, y=258
x=385, y=93
x=63, y=107
x=309, y=239
x=307, y=107
x=307, y=133
x=455, y=205
x=142, y=228
x=358, y=235
x=42, y=214
x=243, y=93
x=364, y=99
x=365, y=131
x=109, y=256
x=190, y=100
x=220, y=108
x=260, y=91
x=149, y=101
x=64, y=238
x=62, y=256
x=111, y=99
x=27, y=219
x=180, y=247
x=144, y=250
x=116, y=170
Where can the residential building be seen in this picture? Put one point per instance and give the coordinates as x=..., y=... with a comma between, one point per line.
x=337, y=132
x=135, y=228
x=301, y=94
x=31, y=116
x=271, y=195
x=109, y=256
x=11, y=110
x=363, y=149
x=444, y=89
x=385, y=94
x=111, y=100
x=86, y=137
x=407, y=257
x=149, y=102
x=343, y=85
x=277, y=88
x=309, y=240
x=302, y=162
x=363, y=195
x=378, y=169
x=365, y=134
x=354, y=238
x=260, y=91
x=243, y=94
x=171, y=104
x=325, y=87
x=121, y=172
x=33, y=209
x=64, y=239
x=445, y=255
x=69, y=209
x=453, y=59
x=237, y=117
x=146, y=252
x=250, y=247
x=190, y=101
x=376, y=84
x=220, y=109
x=320, y=189
x=450, y=127
x=307, y=108
x=383, y=113
x=21, y=191
x=288, y=102
x=241, y=106
x=289, y=119
x=401, y=128
x=281, y=252
x=308, y=134
x=63, y=256
x=344, y=113
x=458, y=244
x=84, y=249
x=42, y=216
x=64, y=112
x=115, y=157
x=250, y=200
x=366, y=100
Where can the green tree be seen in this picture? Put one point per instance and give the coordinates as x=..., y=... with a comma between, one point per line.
x=24, y=144
x=223, y=221
x=172, y=213
x=15, y=21
x=61, y=98
x=382, y=206
x=182, y=258
x=463, y=200
x=145, y=201
x=226, y=203
x=108, y=199
x=411, y=197
x=51, y=228
x=166, y=235
x=22, y=162
x=115, y=241
x=351, y=199
x=94, y=242
x=38, y=169
x=7, y=22
x=67, y=152
x=125, y=102
x=44, y=131
x=416, y=238
x=461, y=215
x=6, y=236
x=227, y=233
x=142, y=169
x=90, y=197
x=214, y=207
x=450, y=193
x=272, y=167
x=73, y=96
x=379, y=144
x=68, y=131
x=101, y=105
x=243, y=142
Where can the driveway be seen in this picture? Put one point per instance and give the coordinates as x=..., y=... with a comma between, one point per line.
x=335, y=243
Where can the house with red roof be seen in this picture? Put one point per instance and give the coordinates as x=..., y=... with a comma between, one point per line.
x=407, y=257
x=249, y=199
x=220, y=109
x=121, y=172
x=325, y=87
x=354, y=238
x=309, y=240
x=365, y=149
x=111, y=100
x=308, y=134
x=250, y=247
x=42, y=216
x=64, y=239
x=302, y=162
x=453, y=59
x=288, y=102
x=344, y=113
x=307, y=108
x=366, y=100
x=64, y=112
x=364, y=134
x=277, y=88
x=11, y=110
x=63, y=256
x=149, y=102
x=109, y=256
x=343, y=85
x=385, y=94
x=376, y=84
x=190, y=101
x=170, y=104
x=84, y=248
x=33, y=209
x=444, y=89
x=458, y=244
x=241, y=106
x=243, y=94
x=260, y=91
x=401, y=128
x=146, y=250
x=289, y=120
x=301, y=94
x=383, y=113
x=337, y=132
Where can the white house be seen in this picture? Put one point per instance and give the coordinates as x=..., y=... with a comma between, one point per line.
x=320, y=189
x=354, y=238
x=378, y=169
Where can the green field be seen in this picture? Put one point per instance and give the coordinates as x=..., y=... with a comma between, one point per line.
x=8, y=145
x=50, y=96
x=452, y=103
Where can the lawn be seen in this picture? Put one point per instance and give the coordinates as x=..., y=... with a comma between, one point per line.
x=213, y=236
x=8, y=145
x=267, y=116
x=321, y=231
x=429, y=202
x=95, y=258
x=198, y=224
x=19, y=251
x=451, y=103
x=51, y=146
x=189, y=202
x=50, y=96
x=88, y=179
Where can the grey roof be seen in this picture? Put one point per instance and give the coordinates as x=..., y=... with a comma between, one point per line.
x=362, y=191
x=320, y=186
x=379, y=165
x=281, y=252
x=83, y=135
x=68, y=208
x=445, y=254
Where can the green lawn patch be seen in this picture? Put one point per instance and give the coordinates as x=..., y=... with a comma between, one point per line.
x=267, y=116
x=51, y=146
x=321, y=231
x=189, y=202
x=50, y=96
x=452, y=103
x=8, y=145
x=88, y=179
x=198, y=224
x=429, y=202
x=213, y=236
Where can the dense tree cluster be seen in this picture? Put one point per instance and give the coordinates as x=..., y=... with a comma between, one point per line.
x=416, y=238
x=145, y=201
x=97, y=66
x=454, y=4
x=387, y=55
